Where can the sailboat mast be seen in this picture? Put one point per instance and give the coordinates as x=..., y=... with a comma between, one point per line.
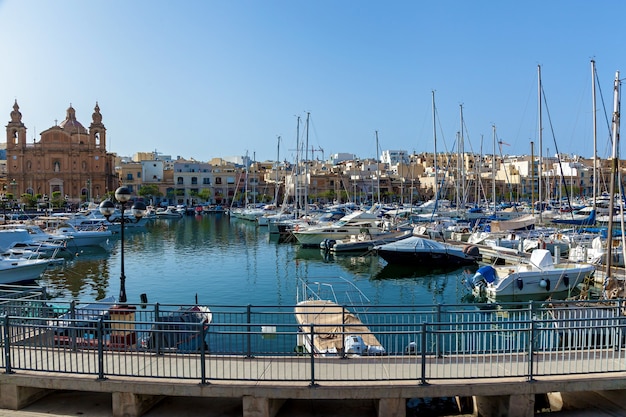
x=462, y=177
x=493, y=170
x=276, y=187
x=614, y=170
x=540, y=171
x=246, y=178
x=436, y=189
x=254, y=179
x=296, y=185
x=595, y=133
x=306, y=168
x=532, y=176
x=377, y=167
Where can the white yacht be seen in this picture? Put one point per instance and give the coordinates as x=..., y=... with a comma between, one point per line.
x=368, y=222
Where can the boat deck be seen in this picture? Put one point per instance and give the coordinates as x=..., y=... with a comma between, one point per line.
x=329, y=323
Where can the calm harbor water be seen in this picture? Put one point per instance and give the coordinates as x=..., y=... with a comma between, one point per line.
x=224, y=261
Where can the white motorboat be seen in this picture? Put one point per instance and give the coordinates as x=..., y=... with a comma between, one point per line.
x=19, y=241
x=169, y=212
x=363, y=242
x=596, y=253
x=83, y=238
x=537, y=279
x=367, y=222
x=15, y=270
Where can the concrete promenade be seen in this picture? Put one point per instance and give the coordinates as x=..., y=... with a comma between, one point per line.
x=128, y=382
x=134, y=397
x=74, y=403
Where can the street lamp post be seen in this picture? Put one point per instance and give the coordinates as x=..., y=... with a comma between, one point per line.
x=4, y=208
x=46, y=201
x=107, y=208
x=14, y=187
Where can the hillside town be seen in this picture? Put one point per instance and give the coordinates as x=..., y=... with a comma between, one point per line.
x=69, y=165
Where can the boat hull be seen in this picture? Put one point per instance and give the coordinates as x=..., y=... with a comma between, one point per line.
x=439, y=259
x=416, y=250
x=529, y=282
x=21, y=270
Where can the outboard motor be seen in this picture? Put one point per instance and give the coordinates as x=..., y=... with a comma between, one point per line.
x=355, y=345
x=484, y=275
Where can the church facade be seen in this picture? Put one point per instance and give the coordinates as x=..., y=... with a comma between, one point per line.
x=68, y=159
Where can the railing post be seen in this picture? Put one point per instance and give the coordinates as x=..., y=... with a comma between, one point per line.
x=7, y=346
x=312, y=351
x=72, y=329
x=248, y=330
x=203, y=380
x=101, y=348
x=156, y=333
x=423, y=355
x=618, y=337
x=531, y=352
x=438, y=330
x=343, y=333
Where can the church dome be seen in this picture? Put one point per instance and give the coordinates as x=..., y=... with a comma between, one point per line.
x=70, y=124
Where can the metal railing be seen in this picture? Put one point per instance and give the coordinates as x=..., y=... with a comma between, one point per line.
x=264, y=343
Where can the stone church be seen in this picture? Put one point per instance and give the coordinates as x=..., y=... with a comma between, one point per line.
x=68, y=159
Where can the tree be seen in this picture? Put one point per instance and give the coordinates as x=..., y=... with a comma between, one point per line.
x=205, y=194
x=57, y=199
x=28, y=200
x=148, y=191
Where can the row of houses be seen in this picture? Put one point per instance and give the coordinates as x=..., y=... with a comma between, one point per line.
x=70, y=163
x=465, y=179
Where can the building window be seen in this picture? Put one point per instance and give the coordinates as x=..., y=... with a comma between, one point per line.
x=129, y=176
x=206, y=181
x=218, y=180
x=194, y=180
x=179, y=181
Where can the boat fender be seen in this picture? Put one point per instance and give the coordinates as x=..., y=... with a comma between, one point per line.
x=545, y=283
x=566, y=280
x=472, y=250
x=520, y=284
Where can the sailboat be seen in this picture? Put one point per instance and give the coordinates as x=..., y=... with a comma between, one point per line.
x=614, y=288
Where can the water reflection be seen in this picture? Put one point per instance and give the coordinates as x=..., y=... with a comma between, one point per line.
x=390, y=271
x=235, y=262
x=86, y=276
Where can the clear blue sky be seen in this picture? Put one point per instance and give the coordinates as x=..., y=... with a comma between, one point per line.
x=211, y=78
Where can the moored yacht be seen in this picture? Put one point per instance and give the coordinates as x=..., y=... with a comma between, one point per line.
x=366, y=222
